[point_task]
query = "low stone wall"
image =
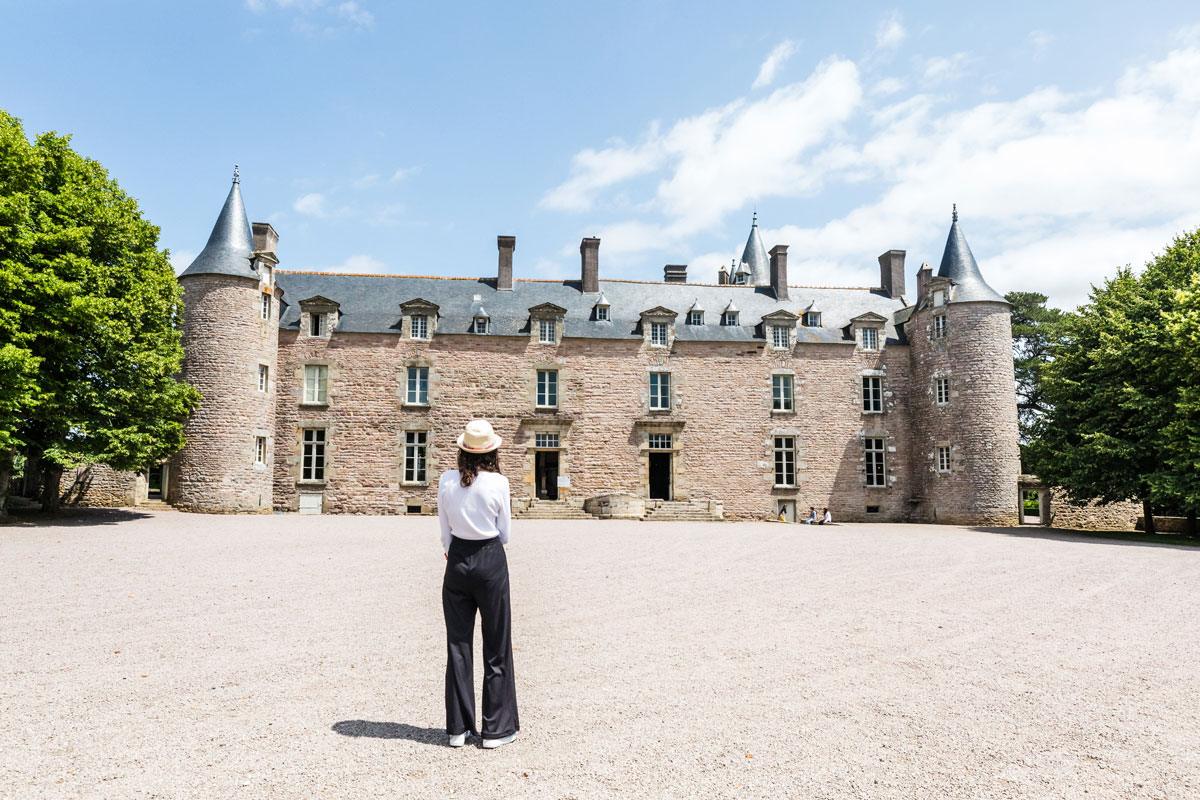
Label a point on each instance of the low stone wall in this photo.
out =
(1164, 524)
(1092, 517)
(98, 486)
(618, 505)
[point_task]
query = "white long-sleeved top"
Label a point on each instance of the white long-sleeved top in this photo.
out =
(479, 511)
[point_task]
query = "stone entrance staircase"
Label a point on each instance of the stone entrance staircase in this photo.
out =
(673, 511)
(552, 509)
(155, 505)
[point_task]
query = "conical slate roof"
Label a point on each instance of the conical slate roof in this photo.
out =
(755, 257)
(958, 264)
(230, 245)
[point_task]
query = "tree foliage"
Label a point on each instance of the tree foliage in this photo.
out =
(1036, 329)
(89, 309)
(1122, 388)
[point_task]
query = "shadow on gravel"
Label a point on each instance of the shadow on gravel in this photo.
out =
(391, 730)
(74, 517)
(1121, 538)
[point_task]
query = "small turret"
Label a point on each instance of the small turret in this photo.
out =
(755, 262)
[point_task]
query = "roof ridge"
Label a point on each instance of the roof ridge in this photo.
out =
(555, 280)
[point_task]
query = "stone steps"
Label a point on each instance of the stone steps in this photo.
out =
(155, 505)
(553, 509)
(679, 512)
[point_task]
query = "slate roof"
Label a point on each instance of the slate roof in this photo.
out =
(230, 245)
(958, 264)
(371, 304)
(755, 257)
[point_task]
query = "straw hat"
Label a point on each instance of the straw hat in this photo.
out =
(479, 437)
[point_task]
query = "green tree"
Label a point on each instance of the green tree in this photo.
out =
(1035, 331)
(96, 345)
(1120, 390)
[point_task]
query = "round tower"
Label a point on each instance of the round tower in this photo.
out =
(963, 405)
(230, 337)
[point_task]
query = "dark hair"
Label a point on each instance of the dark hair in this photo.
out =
(471, 464)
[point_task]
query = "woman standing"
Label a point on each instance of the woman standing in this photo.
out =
(475, 514)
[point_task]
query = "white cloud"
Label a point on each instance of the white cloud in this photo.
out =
(766, 73)
(592, 170)
(317, 18)
(312, 204)
(358, 263)
(1039, 40)
(182, 259)
(404, 172)
(355, 14)
(365, 181)
(888, 86)
(941, 68)
(890, 32)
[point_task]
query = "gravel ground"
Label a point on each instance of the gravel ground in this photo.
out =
(170, 655)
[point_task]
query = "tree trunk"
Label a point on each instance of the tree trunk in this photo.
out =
(1190, 527)
(51, 478)
(1149, 515)
(6, 468)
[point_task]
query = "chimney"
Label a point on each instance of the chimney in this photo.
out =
(923, 275)
(779, 271)
(891, 272)
(506, 245)
(675, 273)
(723, 276)
(265, 237)
(589, 257)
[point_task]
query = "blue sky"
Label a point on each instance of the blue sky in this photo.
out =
(380, 137)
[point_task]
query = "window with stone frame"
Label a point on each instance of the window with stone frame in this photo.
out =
(546, 331)
(546, 441)
(266, 306)
(312, 467)
(943, 458)
(660, 391)
(417, 391)
(942, 391)
(547, 388)
(872, 394)
(658, 334)
(316, 378)
(780, 337)
(695, 318)
(658, 441)
(781, 393)
(263, 376)
(873, 449)
(870, 339)
(811, 319)
(316, 324)
(260, 450)
(418, 326)
(939, 326)
(785, 461)
(416, 451)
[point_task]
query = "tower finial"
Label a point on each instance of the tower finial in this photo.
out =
(235, 173)
(754, 221)
(954, 214)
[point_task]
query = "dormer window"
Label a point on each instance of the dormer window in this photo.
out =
(780, 338)
(418, 327)
(657, 325)
(316, 324)
(546, 331)
(318, 316)
(480, 324)
(870, 339)
(695, 318)
(867, 331)
(602, 309)
(729, 318)
(545, 323)
(812, 319)
(418, 319)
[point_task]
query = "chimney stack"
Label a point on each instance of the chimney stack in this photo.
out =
(589, 257)
(923, 276)
(891, 272)
(265, 237)
(675, 273)
(779, 271)
(506, 245)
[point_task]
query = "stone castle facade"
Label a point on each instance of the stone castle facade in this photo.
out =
(747, 396)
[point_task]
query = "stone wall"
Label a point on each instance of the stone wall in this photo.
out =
(98, 485)
(721, 419)
(225, 341)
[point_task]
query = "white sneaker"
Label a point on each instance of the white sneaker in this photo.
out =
(460, 739)
(489, 744)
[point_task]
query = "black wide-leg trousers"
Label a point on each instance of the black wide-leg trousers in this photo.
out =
(477, 580)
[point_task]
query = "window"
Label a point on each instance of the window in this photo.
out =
(785, 461)
(874, 459)
(779, 337)
(316, 322)
(872, 395)
(315, 380)
(943, 459)
(602, 313)
(418, 326)
(939, 326)
(418, 386)
(729, 318)
(480, 325)
(546, 331)
(781, 392)
(545, 440)
(658, 334)
(660, 391)
(660, 441)
(812, 319)
(260, 449)
(870, 339)
(262, 377)
(266, 306)
(695, 318)
(313, 466)
(415, 450)
(943, 391)
(547, 388)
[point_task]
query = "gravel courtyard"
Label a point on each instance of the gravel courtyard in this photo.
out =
(170, 655)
